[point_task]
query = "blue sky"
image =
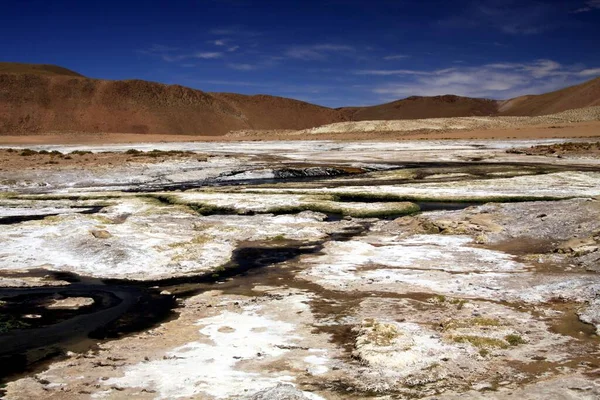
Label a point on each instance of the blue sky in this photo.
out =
(329, 52)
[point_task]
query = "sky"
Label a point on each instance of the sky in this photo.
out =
(329, 52)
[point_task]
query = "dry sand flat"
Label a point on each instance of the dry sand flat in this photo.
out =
(280, 291)
(473, 127)
(570, 130)
(584, 122)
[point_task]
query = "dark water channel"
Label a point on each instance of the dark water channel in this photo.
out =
(15, 219)
(120, 306)
(320, 175)
(31, 333)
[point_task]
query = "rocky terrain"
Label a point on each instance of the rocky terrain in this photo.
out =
(301, 270)
(47, 99)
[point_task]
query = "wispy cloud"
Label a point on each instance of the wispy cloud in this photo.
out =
(159, 48)
(498, 80)
(242, 67)
(227, 83)
(229, 47)
(588, 6)
(396, 57)
(512, 17)
(174, 54)
(223, 31)
(390, 72)
(590, 72)
(234, 31)
(317, 51)
(207, 55)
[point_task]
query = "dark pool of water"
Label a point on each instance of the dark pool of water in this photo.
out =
(15, 219)
(444, 206)
(120, 306)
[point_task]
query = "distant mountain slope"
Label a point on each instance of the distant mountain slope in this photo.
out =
(272, 112)
(31, 103)
(586, 94)
(47, 98)
(41, 102)
(424, 107)
(35, 69)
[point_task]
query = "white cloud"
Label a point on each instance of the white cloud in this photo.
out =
(388, 72)
(207, 55)
(317, 52)
(225, 43)
(228, 83)
(174, 54)
(590, 72)
(537, 69)
(237, 31)
(242, 67)
(395, 57)
(514, 17)
(159, 48)
(499, 80)
(224, 31)
(588, 6)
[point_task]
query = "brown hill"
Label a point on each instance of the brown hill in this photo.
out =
(586, 94)
(424, 107)
(272, 112)
(41, 102)
(35, 69)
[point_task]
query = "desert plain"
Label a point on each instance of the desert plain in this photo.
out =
(400, 266)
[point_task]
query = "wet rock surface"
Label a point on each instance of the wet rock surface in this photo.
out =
(328, 287)
(70, 303)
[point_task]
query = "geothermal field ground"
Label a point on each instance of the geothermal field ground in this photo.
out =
(308, 269)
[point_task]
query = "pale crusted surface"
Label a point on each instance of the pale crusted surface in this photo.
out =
(560, 184)
(276, 203)
(591, 314)
(480, 302)
(118, 243)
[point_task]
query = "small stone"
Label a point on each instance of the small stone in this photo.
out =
(100, 234)
(480, 387)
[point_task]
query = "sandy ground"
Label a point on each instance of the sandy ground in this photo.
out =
(18, 158)
(99, 138)
(573, 130)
